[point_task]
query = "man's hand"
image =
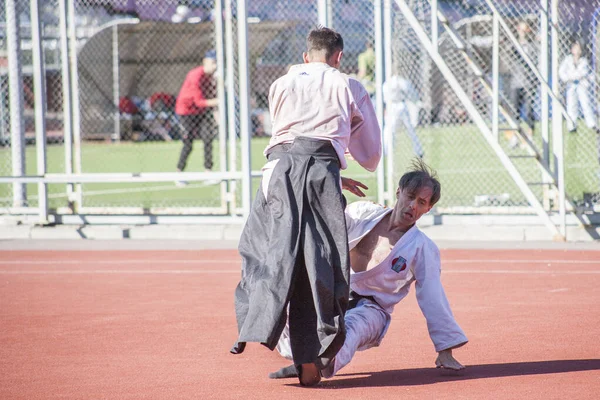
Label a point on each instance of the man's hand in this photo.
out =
(353, 186)
(445, 360)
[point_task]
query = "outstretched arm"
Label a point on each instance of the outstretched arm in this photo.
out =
(445, 333)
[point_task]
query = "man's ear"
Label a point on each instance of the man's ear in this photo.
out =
(305, 57)
(338, 58)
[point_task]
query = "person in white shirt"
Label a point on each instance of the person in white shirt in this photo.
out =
(402, 105)
(574, 70)
(294, 245)
(388, 253)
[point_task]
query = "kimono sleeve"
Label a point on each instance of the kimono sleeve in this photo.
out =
(444, 331)
(365, 134)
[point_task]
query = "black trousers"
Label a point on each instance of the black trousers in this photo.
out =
(523, 97)
(294, 251)
(200, 126)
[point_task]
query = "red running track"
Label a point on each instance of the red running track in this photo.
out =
(159, 325)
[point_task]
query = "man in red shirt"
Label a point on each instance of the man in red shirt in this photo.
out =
(194, 106)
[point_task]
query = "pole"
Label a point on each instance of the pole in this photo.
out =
(434, 24)
(545, 104)
(75, 98)
(220, 48)
(39, 91)
(66, 93)
(387, 69)
(116, 88)
(15, 86)
(230, 87)
(495, 75)
(379, 75)
(245, 130)
(557, 133)
(324, 11)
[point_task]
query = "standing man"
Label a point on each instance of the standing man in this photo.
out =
(389, 253)
(523, 82)
(294, 246)
(196, 102)
(401, 104)
(366, 68)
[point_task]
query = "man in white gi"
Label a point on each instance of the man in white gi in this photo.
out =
(387, 254)
(401, 105)
(294, 246)
(575, 72)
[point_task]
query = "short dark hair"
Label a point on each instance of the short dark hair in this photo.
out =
(418, 176)
(324, 38)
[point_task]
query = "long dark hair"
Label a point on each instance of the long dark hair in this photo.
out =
(418, 176)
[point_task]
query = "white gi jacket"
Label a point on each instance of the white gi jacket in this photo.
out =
(316, 100)
(414, 258)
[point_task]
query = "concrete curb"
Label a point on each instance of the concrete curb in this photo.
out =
(466, 234)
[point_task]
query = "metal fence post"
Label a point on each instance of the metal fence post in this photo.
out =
(495, 75)
(76, 111)
(66, 93)
(325, 13)
(15, 84)
(230, 87)
(379, 75)
(116, 88)
(245, 129)
(220, 48)
(545, 104)
(557, 133)
(387, 70)
(39, 82)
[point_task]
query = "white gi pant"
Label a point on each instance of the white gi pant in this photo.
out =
(406, 112)
(366, 325)
(579, 94)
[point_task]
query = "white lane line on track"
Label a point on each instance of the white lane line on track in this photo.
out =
(116, 262)
(237, 271)
(122, 272)
(238, 261)
(519, 271)
(482, 261)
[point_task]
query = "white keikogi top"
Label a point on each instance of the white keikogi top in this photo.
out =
(318, 101)
(569, 71)
(414, 258)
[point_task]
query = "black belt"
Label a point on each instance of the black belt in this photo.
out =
(355, 298)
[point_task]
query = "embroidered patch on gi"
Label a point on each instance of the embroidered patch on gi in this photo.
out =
(398, 264)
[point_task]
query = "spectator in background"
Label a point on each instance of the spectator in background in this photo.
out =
(402, 105)
(160, 119)
(523, 82)
(366, 68)
(195, 105)
(575, 72)
(516, 78)
(193, 11)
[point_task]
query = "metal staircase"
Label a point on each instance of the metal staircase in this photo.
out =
(500, 104)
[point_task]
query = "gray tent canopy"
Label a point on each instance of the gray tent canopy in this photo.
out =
(149, 57)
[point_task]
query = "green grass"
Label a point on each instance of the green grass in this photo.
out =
(465, 163)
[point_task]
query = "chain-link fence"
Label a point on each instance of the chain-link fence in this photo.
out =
(472, 176)
(132, 58)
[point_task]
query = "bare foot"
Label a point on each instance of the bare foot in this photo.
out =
(309, 375)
